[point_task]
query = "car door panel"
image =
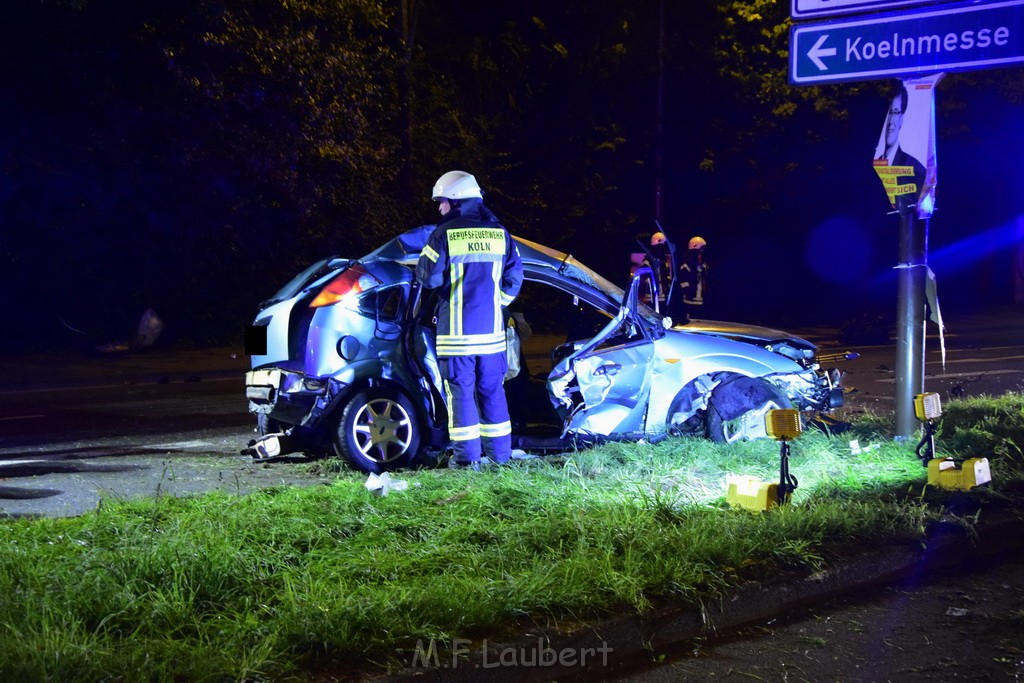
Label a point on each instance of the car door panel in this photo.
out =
(604, 386)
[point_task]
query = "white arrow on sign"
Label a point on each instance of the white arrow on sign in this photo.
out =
(816, 53)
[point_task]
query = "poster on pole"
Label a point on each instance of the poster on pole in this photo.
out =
(904, 157)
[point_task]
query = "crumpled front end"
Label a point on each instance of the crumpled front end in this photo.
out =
(812, 389)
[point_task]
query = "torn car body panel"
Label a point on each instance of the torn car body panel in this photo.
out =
(606, 391)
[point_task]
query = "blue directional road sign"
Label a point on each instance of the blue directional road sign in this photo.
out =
(956, 37)
(805, 9)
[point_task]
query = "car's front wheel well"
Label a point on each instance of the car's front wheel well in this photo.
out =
(688, 412)
(737, 408)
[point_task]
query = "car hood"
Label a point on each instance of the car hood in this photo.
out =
(743, 332)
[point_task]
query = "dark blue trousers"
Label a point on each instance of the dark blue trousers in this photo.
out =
(478, 420)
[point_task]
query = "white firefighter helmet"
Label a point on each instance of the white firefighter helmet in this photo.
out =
(697, 242)
(658, 238)
(457, 185)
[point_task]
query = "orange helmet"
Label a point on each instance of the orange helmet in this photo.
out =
(697, 242)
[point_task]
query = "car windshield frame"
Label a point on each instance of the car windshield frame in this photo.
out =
(571, 268)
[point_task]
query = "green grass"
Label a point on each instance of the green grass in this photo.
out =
(285, 581)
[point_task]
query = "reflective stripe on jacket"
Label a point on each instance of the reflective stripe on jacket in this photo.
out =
(476, 262)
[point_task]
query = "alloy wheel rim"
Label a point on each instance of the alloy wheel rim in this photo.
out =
(382, 430)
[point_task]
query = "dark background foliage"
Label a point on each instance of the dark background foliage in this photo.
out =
(192, 156)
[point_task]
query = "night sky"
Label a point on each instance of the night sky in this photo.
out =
(191, 157)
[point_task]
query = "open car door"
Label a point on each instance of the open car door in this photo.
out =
(603, 386)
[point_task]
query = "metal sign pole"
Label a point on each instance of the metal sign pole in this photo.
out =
(910, 307)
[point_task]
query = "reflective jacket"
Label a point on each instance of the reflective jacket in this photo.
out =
(476, 263)
(693, 276)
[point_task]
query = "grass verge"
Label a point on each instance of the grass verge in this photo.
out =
(280, 582)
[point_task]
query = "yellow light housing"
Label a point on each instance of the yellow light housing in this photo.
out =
(783, 424)
(947, 473)
(927, 407)
(751, 493)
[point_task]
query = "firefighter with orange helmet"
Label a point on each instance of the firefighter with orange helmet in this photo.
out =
(693, 273)
(659, 256)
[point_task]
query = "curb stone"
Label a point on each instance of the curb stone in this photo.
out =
(637, 635)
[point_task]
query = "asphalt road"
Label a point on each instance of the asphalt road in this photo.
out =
(88, 428)
(972, 366)
(980, 353)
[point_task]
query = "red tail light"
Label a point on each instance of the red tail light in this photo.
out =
(349, 283)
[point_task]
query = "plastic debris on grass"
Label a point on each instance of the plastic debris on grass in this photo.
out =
(383, 484)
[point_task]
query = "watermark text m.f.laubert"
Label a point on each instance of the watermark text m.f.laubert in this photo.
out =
(444, 654)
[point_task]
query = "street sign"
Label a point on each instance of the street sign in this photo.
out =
(897, 44)
(804, 9)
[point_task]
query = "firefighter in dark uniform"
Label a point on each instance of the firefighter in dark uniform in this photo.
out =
(475, 262)
(693, 277)
(660, 259)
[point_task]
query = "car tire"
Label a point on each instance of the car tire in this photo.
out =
(378, 431)
(267, 425)
(737, 408)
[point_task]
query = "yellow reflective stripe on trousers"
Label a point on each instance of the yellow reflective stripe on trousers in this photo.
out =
(464, 433)
(458, 433)
(500, 429)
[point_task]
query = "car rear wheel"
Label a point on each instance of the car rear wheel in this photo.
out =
(737, 408)
(378, 431)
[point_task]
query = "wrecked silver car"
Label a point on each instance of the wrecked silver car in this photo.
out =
(346, 363)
